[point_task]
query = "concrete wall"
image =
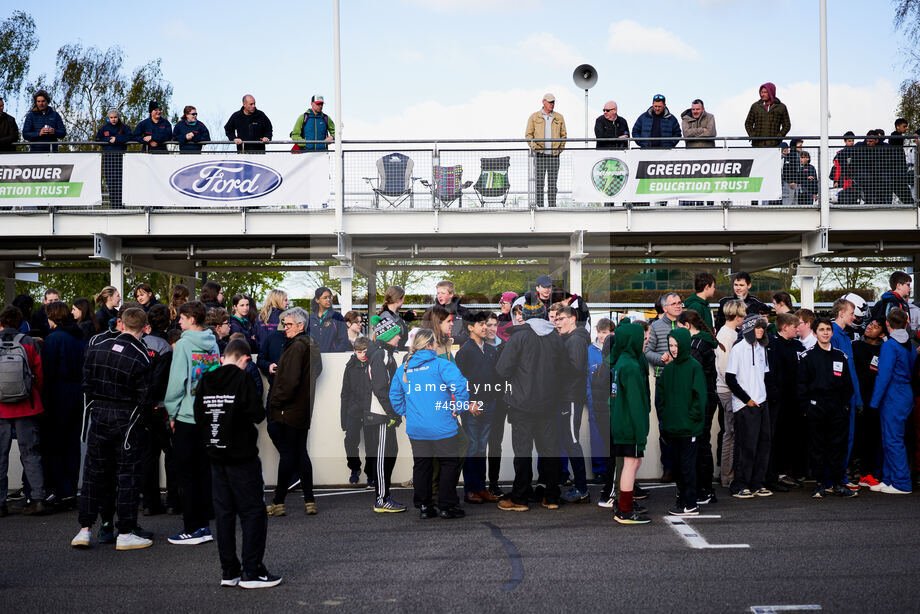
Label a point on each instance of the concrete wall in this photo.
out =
(327, 451)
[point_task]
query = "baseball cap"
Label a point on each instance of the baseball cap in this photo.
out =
(545, 281)
(317, 98)
(549, 97)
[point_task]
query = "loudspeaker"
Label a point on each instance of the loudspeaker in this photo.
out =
(585, 76)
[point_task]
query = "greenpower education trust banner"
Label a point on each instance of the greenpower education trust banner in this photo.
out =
(50, 179)
(638, 175)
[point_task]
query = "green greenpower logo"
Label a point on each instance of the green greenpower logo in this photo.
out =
(609, 176)
(38, 181)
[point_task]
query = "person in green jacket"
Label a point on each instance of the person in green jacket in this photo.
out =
(629, 414)
(704, 285)
(683, 411)
(314, 125)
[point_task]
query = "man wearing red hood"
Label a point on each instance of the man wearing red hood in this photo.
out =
(768, 117)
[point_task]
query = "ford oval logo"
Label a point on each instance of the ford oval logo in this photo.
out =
(226, 180)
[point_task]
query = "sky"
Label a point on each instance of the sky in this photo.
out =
(477, 68)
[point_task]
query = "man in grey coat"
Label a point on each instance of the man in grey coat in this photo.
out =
(698, 123)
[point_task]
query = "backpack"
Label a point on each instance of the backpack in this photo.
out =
(15, 373)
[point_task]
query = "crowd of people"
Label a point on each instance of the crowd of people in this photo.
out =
(802, 400)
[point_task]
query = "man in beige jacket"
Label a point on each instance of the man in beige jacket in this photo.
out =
(546, 124)
(697, 122)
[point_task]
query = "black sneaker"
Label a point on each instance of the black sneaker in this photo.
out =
(632, 517)
(451, 512)
(427, 511)
(140, 532)
(263, 579)
(640, 509)
(497, 491)
(639, 493)
(230, 578)
(680, 510)
(842, 491)
(706, 498)
(107, 533)
(818, 492)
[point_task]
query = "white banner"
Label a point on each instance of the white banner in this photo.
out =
(50, 179)
(638, 175)
(222, 179)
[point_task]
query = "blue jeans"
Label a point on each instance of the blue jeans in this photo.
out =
(477, 431)
(27, 436)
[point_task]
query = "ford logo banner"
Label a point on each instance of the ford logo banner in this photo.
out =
(226, 180)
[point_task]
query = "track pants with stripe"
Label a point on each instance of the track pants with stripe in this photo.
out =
(381, 450)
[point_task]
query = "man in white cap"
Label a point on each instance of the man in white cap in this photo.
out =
(314, 125)
(546, 124)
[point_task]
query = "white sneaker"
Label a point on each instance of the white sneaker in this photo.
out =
(878, 487)
(130, 541)
(888, 489)
(81, 540)
(609, 503)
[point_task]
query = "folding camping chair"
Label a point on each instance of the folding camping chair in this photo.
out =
(446, 185)
(394, 180)
(493, 179)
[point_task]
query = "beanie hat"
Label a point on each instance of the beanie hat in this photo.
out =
(534, 310)
(508, 297)
(384, 328)
(153, 104)
(748, 325)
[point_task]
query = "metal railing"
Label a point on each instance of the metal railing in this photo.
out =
(499, 174)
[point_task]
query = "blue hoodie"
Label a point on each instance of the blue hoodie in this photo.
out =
(892, 385)
(841, 341)
(431, 381)
(160, 133)
(198, 130)
(121, 132)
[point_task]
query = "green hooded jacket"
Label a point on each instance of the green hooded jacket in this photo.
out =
(629, 392)
(682, 390)
(700, 306)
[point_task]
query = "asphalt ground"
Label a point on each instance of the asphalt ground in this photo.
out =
(844, 555)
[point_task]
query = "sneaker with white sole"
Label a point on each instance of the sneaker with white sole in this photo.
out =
(607, 503)
(200, 536)
(132, 541)
(388, 506)
(888, 489)
(263, 579)
(878, 487)
(680, 510)
(81, 540)
(230, 579)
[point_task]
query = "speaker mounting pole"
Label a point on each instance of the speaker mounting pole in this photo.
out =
(585, 76)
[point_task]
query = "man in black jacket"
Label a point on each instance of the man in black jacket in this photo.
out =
(249, 124)
(227, 408)
(574, 396)
(787, 421)
(611, 126)
(529, 363)
(9, 131)
(116, 380)
(741, 286)
(356, 401)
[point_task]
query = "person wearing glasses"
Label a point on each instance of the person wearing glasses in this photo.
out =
(190, 132)
(611, 126)
(657, 123)
(546, 124)
(658, 355)
(314, 125)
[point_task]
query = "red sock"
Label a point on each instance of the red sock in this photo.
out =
(626, 501)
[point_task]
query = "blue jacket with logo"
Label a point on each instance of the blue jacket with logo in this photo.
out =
(122, 133)
(198, 129)
(160, 133)
(892, 385)
(35, 121)
(330, 332)
(428, 391)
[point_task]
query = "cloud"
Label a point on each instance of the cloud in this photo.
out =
(179, 30)
(627, 36)
(857, 108)
(548, 49)
(468, 6)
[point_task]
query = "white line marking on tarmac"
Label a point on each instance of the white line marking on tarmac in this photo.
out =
(692, 537)
(654, 486)
(770, 609)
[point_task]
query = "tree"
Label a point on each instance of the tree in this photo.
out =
(907, 19)
(17, 42)
(88, 81)
(909, 107)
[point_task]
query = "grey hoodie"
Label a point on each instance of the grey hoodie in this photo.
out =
(195, 354)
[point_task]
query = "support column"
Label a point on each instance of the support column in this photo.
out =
(9, 282)
(344, 272)
(807, 274)
(191, 282)
(372, 288)
(576, 255)
(109, 248)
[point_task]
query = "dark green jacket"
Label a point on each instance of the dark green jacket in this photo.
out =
(701, 307)
(629, 393)
(682, 391)
(761, 122)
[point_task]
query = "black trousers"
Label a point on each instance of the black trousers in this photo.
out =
(546, 170)
(790, 446)
(159, 441)
(424, 452)
(527, 429)
(828, 432)
(772, 462)
(705, 468)
(238, 491)
(114, 453)
(867, 442)
(752, 447)
(194, 476)
(353, 427)
(685, 458)
(293, 460)
(380, 440)
(496, 435)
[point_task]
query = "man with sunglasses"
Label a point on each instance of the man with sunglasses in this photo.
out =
(611, 126)
(546, 124)
(314, 125)
(655, 124)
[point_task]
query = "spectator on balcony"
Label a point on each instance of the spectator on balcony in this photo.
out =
(9, 131)
(768, 117)
(547, 124)
(611, 126)
(899, 137)
(697, 122)
(314, 125)
(842, 171)
(154, 132)
(806, 180)
(249, 125)
(115, 135)
(657, 123)
(870, 174)
(190, 132)
(43, 124)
